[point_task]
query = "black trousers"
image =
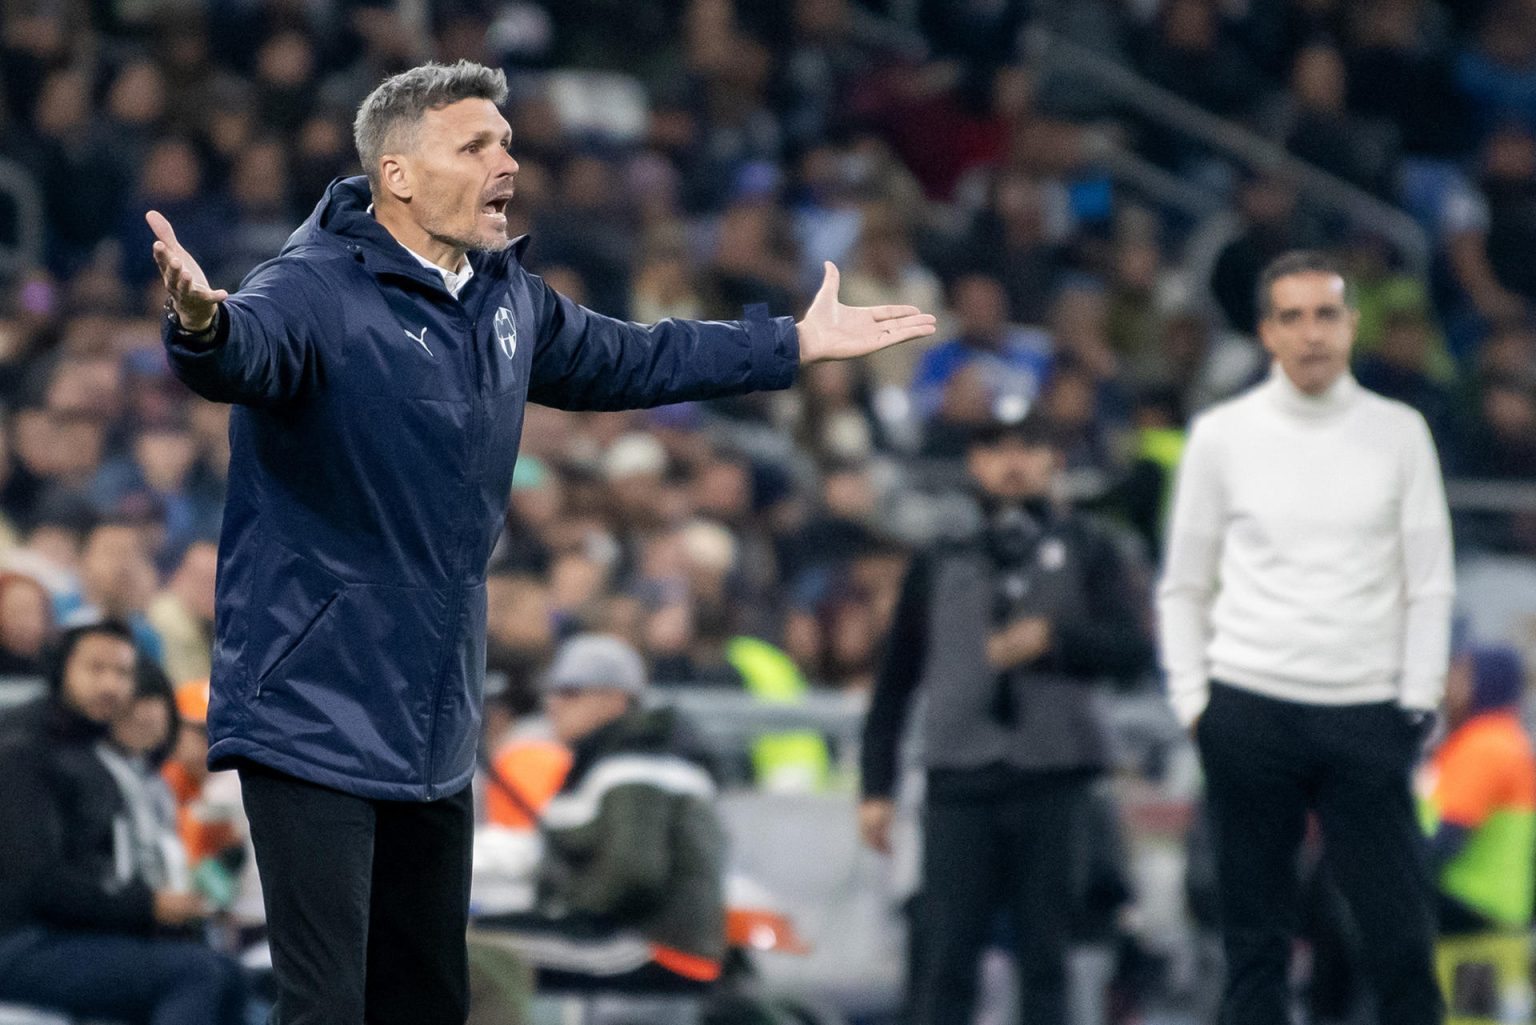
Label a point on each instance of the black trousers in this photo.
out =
(1267, 764)
(367, 902)
(991, 850)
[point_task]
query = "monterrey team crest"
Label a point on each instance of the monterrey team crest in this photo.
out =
(506, 331)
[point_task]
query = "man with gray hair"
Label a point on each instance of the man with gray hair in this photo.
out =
(379, 367)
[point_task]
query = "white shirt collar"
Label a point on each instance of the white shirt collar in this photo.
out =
(453, 281)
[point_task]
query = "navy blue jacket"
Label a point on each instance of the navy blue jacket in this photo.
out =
(376, 425)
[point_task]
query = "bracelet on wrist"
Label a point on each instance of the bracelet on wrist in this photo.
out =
(202, 334)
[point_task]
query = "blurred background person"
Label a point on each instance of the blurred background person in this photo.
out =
(1003, 631)
(26, 625)
(1480, 805)
(631, 888)
(88, 923)
(1304, 615)
(676, 155)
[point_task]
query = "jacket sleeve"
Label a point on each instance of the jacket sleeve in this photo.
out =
(37, 879)
(1113, 639)
(627, 874)
(584, 360)
(264, 346)
(900, 671)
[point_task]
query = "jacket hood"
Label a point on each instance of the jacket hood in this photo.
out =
(643, 731)
(344, 218)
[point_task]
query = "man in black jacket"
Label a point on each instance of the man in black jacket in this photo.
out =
(1004, 629)
(78, 923)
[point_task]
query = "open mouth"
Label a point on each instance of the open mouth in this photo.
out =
(497, 207)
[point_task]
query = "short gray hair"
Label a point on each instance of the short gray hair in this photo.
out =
(396, 107)
(1298, 261)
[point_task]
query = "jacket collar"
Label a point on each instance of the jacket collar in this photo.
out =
(342, 218)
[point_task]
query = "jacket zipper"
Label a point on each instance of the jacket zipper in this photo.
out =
(456, 607)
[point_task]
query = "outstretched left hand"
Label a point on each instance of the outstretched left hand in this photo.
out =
(831, 330)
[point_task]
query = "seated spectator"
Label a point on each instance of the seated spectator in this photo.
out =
(209, 816)
(886, 271)
(1271, 226)
(833, 417)
(520, 626)
(1204, 364)
(1131, 317)
(1499, 443)
(26, 625)
(1502, 442)
(1384, 290)
(1497, 73)
(82, 929)
(117, 581)
(182, 614)
(140, 742)
(1320, 130)
(1401, 367)
(1480, 809)
(1188, 52)
(159, 473)
(720, 654)
(1020, 237)
(1499, 226)
(1400, 70)
(1012, 362)
(631, 889)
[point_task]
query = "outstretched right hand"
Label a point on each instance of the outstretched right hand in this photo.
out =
(195, 303)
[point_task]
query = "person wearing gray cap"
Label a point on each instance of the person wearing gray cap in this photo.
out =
(595, 680)
(631, 891)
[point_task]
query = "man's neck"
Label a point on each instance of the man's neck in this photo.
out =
(412, 236)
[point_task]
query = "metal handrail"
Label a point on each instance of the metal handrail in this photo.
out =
(1165, 187)
(1495, 496)
(1055, 53)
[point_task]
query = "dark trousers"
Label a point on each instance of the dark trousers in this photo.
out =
(1269, 762)
(135, 979)
(990, 851)
(367, 902)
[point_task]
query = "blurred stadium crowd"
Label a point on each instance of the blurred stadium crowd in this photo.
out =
(686, 158)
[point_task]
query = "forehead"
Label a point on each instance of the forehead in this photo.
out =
(1309, 288)
(465, 118)
(105, 646)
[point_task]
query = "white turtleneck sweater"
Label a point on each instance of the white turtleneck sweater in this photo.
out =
(1309, 553)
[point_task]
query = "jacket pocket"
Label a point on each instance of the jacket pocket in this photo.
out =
(286, 599)
(355, 694)
(298, 641)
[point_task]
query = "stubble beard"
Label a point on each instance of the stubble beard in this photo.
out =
(469, 241)
(486, 243)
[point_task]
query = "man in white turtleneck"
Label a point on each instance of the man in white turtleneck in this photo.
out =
(1304, 617)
